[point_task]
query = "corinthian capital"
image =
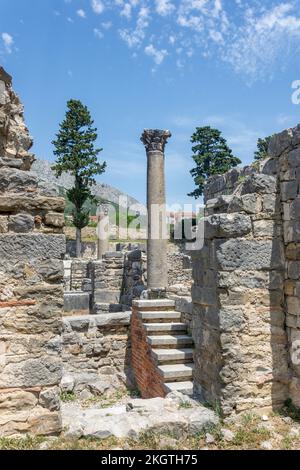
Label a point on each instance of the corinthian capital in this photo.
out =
(155, 139)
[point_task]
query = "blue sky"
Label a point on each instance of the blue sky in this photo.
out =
(172, 64)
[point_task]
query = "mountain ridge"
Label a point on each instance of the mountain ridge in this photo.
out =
(42, 168)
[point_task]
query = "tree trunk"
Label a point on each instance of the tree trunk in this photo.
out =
(78, 243)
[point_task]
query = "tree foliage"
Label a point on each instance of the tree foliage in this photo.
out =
(212, 156)
(262, 148)
(77, 155)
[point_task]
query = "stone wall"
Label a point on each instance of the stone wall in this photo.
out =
(224, 185)
(107, 282)
(79, 273)
(180, 281)
(284, 159)
(135, 276)
(179, 274)
(97, 354)
(31, 275)
(246, 293)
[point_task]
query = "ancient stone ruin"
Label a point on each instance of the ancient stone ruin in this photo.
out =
(31, 296)
(219, 323)
(245, 293)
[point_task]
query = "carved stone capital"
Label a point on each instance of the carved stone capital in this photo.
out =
(155, 139)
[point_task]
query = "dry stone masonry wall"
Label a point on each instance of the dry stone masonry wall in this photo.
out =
(97, 354)
(31, 292)
(245, 297)
(285, 160)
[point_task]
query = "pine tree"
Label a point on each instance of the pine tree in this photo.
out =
(77, 155)
(262, 148)
(212, 156)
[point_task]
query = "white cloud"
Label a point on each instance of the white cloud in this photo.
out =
(135, 37)
(164, 7)
(255, 39)
(157, 55)
(97, 6)
(81, 13)
(106, 25)
(264, 40)
(98, 33)
(8, 41)
(126, 11)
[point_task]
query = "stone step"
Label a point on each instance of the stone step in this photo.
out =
(155, 305)
(107, 296)
(169, 341)
(184, 387)
(99, 308)
(165, 327)
(176, 372)
(172, 355)
(160, 316)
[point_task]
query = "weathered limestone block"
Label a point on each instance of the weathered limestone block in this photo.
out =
(259, 183)
(28, 247)
(55, 219)
(37, 421)
(280, 142)
(271, 204)
(291, 231)
(227, 225)
(30, 372)
(49, 399)
(293, 305)
(21, 223)
(249, 254)
(266, 229)
(269, 166)
(289, 190)
(15, 202)
(294, 158)
(34, 319)
(294, 270)
(249, 203)
(291, 210)
(218, 205)
(271, 280)
(51, 270)
(17, 181)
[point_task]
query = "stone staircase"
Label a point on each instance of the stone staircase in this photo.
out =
(171, 348)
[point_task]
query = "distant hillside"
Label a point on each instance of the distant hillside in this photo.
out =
(42, 168)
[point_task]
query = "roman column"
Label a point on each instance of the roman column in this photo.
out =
(157, 269)
(102, 231)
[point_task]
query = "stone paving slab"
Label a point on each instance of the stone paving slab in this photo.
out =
(159, 415)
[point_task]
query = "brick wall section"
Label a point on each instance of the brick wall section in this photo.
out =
(31, 275)
(149, 381)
